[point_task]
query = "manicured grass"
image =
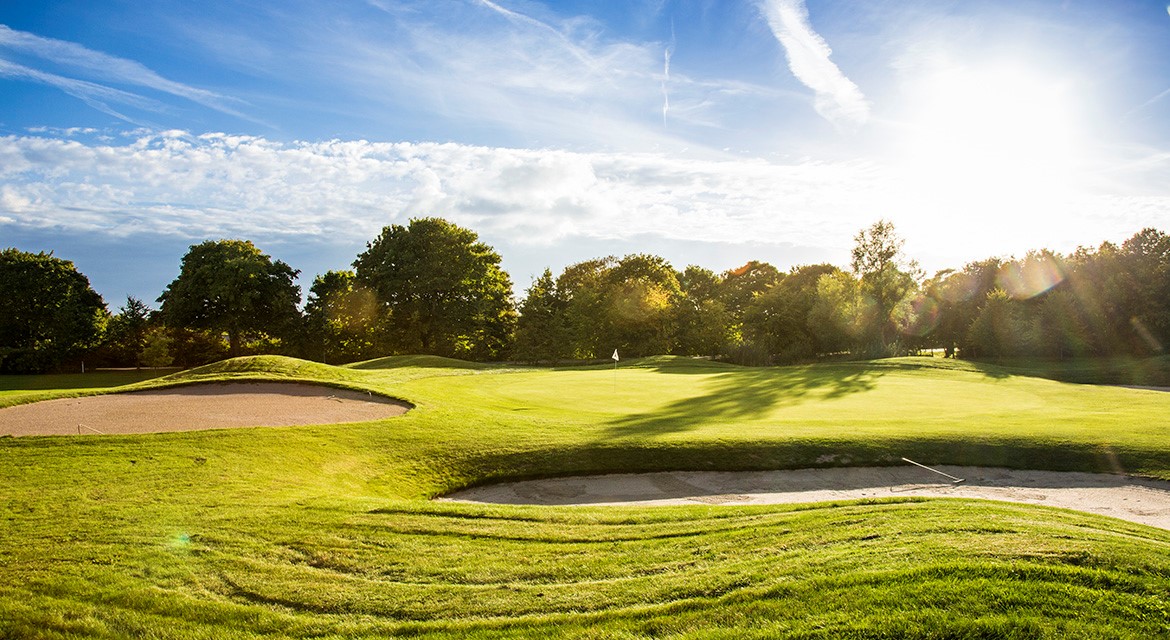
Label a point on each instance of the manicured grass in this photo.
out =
(16, 389)
(325, 531)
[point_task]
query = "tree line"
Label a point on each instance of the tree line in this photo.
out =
(433, 287)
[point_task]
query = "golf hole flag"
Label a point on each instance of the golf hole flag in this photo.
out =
(615, 356)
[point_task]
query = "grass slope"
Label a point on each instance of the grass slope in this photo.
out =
(323, 531)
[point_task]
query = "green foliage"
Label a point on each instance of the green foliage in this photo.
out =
(542, 332)
(739, 287)
(229, 286)
(637, 294)
(156, 350)
(125, 335)
(443, 290)
(782, 318)
(50, 312)
(888, 279)
(701, 321)
(343, 320)
(582, 287)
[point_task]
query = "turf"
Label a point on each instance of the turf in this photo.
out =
(326, 531)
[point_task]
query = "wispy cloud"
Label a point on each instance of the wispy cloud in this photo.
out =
(95, 95)
(837, 98)
(101, 66)
(666, 53)
(491, 71)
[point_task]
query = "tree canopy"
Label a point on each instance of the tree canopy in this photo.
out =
(51, 313)
(230, 286)
(341, 319)
(887, 279)
(443, 289)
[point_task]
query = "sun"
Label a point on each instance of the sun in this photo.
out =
(1002, 132)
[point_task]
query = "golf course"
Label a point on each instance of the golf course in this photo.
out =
(333, 530)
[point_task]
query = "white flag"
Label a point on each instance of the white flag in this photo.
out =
(614, 356)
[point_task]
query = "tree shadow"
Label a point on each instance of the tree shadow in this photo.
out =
(748, 394)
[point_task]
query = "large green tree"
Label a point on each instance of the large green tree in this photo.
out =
(780, 319)
(230, 286)
(702, 324)
(638, 292)
(50, 312)
(443, 289)
(887, 280)
(341, 319)
(542, 332)
(582, 286)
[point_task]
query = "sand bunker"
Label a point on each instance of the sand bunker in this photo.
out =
(1133, 499)
(197, 407)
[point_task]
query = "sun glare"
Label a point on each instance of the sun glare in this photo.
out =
(999, 132)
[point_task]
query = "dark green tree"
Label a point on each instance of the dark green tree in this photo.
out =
(701, 321)
(125, 335)
(542, 333)
(1003, 328)
(1145, 266)
(443, 289)
(781, 318)
(341, 319)
(582, 286)
(840, 313)
(740, 286)
(229, 286)
(50, 312)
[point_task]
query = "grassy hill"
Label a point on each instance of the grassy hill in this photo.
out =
(325, 531)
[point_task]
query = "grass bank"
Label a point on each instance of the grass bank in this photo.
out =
(325, 531)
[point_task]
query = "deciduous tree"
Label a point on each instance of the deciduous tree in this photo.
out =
(887, 279)
(443, 289)
(341, 319)
(230, 286)
(50, 312)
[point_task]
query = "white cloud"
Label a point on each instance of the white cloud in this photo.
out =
(837, 98)
(219, 185)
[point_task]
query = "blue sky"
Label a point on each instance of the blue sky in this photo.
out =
(710, 132)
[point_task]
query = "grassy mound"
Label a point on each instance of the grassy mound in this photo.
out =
(324, 531)
(427, 362)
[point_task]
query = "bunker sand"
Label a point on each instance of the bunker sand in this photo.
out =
(197, 407)
(1137, 500)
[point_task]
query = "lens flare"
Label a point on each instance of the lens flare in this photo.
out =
(1030, 278)
(179, 541)
(924, 317)
(1150, 339)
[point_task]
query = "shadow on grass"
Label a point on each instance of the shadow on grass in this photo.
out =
(93, 380)
(1118, 370)
(747, 394)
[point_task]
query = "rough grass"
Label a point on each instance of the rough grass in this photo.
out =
(323, 531)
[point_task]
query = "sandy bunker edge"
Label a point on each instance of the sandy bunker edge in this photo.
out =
(1141, 500)
(199, 406)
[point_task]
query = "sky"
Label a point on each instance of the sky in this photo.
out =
(710, 132)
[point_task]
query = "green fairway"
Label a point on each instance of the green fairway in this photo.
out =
(326, 531)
